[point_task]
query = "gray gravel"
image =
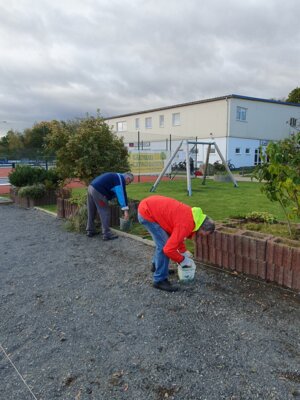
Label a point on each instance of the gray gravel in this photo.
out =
(80, 320)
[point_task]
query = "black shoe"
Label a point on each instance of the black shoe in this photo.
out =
(153, 267)
(112, 237)
(92, 234)
(165, 285)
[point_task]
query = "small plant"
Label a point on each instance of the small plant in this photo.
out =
(33, 191)
(264, 217)
(77, 223)
(79, 198)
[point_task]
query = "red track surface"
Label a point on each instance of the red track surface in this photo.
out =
(75, 183)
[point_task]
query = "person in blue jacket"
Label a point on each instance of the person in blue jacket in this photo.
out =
(102, 189)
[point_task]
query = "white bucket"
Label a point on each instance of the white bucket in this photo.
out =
(186, 273)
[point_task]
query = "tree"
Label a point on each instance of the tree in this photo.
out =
(11, 145)
(280, 174)
(86, 148)
(34, 140)
(294, 96)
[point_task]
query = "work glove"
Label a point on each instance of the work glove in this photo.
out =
(187, 262)
(188, 254)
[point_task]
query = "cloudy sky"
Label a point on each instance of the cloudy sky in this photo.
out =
(61, 59)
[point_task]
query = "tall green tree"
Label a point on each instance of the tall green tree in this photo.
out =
(86, 148)
(280, 174)
(294, 96)
(34, 140)
(12, 145)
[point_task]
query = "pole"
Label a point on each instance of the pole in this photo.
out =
(206, 163)
(165, 168)
(139, 157)
(188, 170)
(226, 166)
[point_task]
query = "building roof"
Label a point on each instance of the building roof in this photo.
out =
(230, 96)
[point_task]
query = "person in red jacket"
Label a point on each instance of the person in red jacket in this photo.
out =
(170, 222)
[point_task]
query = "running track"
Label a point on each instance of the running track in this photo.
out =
(4, 172)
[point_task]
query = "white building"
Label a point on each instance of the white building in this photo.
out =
(238, 124)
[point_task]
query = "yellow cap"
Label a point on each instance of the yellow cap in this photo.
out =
(198, 216)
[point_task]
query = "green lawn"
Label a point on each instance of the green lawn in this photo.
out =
(218, 200)
(51, 208)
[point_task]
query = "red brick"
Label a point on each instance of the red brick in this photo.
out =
(231, 261)
(270, 272)
(252, 248)
(296, 258)
(287, 257)
(205, 254)
(231, 244)
(245, 246)
(224, 242)
(218, 240)
(278, 253)
(261, 250)
(239, 263)
(246, 265)
(253, 267)
(261, 269)
(219, 258)
(212, 255)
(278, 274)
(238, 244)
(287, 277)
(225, 260)
(270, 251)
(296, 279)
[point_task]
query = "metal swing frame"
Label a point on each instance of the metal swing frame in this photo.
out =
(188, 170)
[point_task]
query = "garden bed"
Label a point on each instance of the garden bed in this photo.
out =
(256, 254)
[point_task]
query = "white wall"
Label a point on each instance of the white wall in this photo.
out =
(195, 120)
(264, 120)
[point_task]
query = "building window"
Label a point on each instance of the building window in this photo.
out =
(148, 122)
(121, 126)
(161, 121)
(237, 150)
(241, 114)
(212, 150)
(137, 123)
(247, 150)
(176, 119)
(293, 122)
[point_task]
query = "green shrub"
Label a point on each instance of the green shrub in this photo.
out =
(25, 175)
(33, 191)
(77, 223)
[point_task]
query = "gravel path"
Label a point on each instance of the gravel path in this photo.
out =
(80, 320)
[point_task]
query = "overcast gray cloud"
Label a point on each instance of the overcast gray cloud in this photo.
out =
(63, 58)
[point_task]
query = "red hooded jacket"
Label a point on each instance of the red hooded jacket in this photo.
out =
(174, 217)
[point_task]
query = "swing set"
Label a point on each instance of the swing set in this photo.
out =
(187, 144)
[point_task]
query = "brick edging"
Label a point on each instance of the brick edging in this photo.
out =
(252, 253)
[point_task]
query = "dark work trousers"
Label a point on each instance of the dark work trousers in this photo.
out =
(97, 202)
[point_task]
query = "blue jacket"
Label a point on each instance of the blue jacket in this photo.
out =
(112, 185)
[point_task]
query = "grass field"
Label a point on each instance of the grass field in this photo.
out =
(218, 200)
